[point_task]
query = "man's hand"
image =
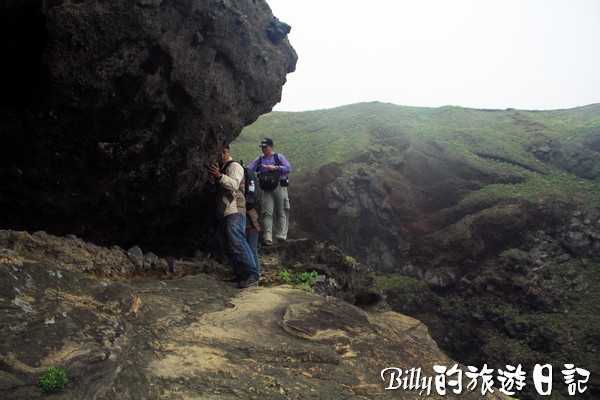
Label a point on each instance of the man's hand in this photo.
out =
(271, 167)
(214, 169)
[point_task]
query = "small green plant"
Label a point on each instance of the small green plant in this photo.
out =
(286, 276)
(302, 280)
(351, 260)
(306, 281)
(308, 277)
(305, 287)
(53, 379)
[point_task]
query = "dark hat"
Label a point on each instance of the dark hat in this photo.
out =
(266, 142)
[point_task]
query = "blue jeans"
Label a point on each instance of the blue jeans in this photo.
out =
(232, 238)
(252, 238)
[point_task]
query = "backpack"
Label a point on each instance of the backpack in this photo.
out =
(250, 185)
(268, 180)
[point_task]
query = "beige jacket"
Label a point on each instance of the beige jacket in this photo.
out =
(230, 191)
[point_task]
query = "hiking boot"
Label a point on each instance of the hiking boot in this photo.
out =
(233, 278)
(267, 242)
(246, 283)
(281, 240)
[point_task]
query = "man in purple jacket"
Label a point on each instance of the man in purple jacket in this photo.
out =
(275, 203)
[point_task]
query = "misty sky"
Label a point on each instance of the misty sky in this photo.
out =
(524, 54)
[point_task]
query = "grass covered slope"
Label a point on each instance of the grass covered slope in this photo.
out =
(501, 142)
(484, 224)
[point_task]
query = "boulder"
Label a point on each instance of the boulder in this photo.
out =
(111, 111)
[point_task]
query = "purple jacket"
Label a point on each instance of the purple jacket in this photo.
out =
(285, 167)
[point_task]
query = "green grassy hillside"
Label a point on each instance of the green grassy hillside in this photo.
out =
(490, 140)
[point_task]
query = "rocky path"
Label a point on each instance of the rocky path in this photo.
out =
(191, 337)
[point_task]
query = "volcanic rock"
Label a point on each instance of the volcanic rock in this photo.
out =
(190, 337)
(111, 111)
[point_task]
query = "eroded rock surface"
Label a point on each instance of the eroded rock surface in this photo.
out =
(191, 337)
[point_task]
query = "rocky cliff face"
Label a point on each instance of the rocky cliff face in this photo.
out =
(381, 213)
(494, 280)
(110, 111)
(409, 214)
(359, 215)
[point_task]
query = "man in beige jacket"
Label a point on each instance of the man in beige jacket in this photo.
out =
(231, 212)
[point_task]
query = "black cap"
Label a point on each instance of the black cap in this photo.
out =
(266, 142)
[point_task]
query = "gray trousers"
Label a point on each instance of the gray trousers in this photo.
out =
(275, 207)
